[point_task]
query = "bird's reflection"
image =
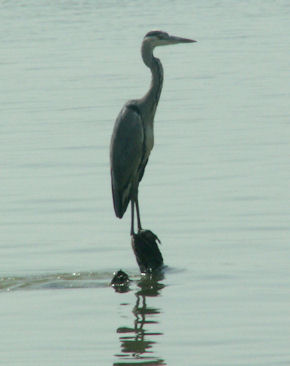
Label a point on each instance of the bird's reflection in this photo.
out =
(137, 342)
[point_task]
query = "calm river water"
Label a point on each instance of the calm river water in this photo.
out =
(216, 189)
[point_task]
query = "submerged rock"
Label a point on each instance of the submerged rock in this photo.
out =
(146, 250)
(120, 281)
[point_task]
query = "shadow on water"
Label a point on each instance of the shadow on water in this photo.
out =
(138, 340)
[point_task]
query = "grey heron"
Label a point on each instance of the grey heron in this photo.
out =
(132, 139)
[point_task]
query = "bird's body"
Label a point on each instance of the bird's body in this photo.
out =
(133, 138)
(127, 148)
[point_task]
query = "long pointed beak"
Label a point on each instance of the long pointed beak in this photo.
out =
(174, 40)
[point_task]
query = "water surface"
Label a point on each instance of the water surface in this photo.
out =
(216, 189)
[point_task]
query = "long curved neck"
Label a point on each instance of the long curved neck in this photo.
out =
(151, 98)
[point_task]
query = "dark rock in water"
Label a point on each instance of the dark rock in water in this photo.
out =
(120, 281)
(147, 253)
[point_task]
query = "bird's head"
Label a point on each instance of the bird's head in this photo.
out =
(159, 38)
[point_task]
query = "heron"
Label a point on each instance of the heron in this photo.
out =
(132, 138)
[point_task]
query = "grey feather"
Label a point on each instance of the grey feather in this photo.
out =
(126, 156)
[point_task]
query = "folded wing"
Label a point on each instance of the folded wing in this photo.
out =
(126, 154)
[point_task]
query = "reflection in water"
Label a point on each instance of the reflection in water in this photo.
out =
(137, 342)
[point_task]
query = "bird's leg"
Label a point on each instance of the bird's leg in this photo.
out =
(132, 218)
(138, 215)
